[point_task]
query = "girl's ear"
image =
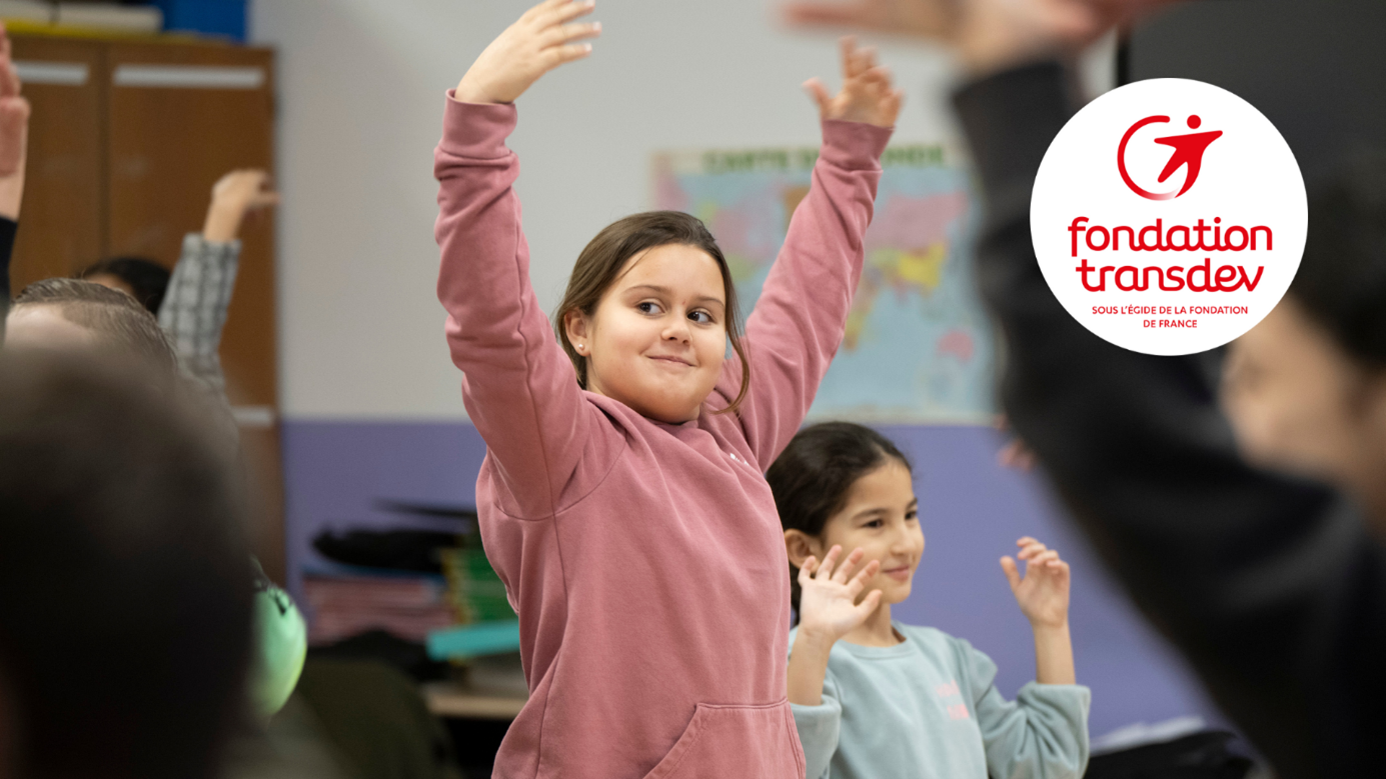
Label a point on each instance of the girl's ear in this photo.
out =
(800, 546)
(576, 326)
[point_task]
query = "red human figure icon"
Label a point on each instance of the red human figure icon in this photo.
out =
(1188, 149)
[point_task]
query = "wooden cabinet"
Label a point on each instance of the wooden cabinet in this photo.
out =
(127, 138)
(64, 213)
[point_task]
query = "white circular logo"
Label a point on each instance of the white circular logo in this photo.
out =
(1169, 216)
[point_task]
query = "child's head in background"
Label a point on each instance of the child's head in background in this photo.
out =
(648, 314)
(125, 630)
(841, 484)
(1306, 388)
(74, 314)
(142, 279)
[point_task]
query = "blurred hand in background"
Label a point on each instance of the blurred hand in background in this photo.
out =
(14, 133)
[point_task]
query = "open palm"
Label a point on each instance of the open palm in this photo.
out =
(867, 92)
(827, 599)
(1043, 591)
(541, 40)
(14, 113)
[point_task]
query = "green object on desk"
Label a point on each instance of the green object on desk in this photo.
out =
(281, 645)
(482, 638)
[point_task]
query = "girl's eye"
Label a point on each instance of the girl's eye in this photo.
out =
(875, 523)
(701, 317)
(912, 516)
(648, 307)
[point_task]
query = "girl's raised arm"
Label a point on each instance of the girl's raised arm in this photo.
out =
(1044, 731)
(198, 298)
(799, 320)
(14, 141)
(519, 387)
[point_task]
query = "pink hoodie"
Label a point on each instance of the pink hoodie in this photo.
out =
(646, 560)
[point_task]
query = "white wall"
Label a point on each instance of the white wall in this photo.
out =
(361, 86)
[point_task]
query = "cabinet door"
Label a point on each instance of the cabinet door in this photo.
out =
(178, 116)
(62, 219)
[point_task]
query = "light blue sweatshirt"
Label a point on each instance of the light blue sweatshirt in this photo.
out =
(928, 708)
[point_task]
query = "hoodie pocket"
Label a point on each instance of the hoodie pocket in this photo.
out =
(754, 742)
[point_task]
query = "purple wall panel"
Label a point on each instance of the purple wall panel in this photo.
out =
(972, 511)
(334, 472)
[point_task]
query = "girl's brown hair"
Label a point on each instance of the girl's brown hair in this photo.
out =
(601, 262)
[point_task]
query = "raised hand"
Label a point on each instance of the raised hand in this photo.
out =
(1043, 592)
(867, 94)
(915, 18)
(827, 599)
(540, 41)
(233, 196)
(1014, 454)
(14, 133)
(988, 33)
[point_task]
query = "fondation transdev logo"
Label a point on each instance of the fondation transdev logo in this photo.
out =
(1169, 216)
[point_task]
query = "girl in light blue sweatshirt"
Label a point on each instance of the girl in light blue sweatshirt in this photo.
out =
(875, 698)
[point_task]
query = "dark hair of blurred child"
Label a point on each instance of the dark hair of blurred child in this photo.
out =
(125, 626)
(142, 279)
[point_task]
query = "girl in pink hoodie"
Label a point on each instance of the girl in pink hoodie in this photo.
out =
(622, 499)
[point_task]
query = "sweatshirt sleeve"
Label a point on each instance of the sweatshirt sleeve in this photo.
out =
(519, 387)
(818, 728)
(799, 320)
(1043, 733)
(1271, 586)
(194, 309)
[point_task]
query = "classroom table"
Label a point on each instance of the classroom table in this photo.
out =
(452, 699)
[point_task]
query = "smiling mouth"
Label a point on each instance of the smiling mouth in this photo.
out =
(673, 360)
(902, 573)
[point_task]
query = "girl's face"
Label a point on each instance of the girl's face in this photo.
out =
(658, 337)
(882, 517)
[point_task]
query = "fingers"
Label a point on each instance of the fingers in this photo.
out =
(1037, 553)
(14, 130)
(858, 582)
(848, 565)
(855, 61)
(819, 93)
(1029, 547)
(825, 571)
(1017, 455)
(1008, 566)
(847, 52)
(563, 12)
(559, 55)
(570, 32)
(870, 603)
(891, 105)
(546, 7)
(811, 14)
(1037, 556)
(806, 570)
(9, 77)
(875, 78)
(265, 199)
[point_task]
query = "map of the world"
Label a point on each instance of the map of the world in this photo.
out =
(918, 347)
